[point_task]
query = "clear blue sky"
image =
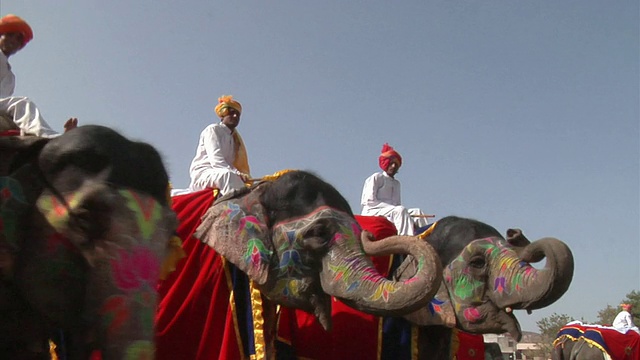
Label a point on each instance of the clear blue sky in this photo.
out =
(517, 113)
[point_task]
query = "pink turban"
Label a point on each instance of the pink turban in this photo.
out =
(387, 156)
(224, 103)
(14, 24)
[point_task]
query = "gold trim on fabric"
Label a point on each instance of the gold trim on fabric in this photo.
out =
(595, 344)
(427, 232)
(232, 303)
(414, 342)
(258, 324)
(455, 343)
(174, 254)
(380, 336)
(52, 350)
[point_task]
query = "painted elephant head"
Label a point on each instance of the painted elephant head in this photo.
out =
(298, 240)
(98, 226)
(486, 276)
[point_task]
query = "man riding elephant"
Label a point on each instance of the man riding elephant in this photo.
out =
(15, 33)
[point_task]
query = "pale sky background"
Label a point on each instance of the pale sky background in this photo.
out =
(517, 113)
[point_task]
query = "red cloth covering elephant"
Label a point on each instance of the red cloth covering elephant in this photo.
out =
(194, 299)
(355, 335)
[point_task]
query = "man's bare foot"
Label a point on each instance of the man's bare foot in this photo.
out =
(72, 123)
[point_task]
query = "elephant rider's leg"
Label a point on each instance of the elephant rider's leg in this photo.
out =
(26, 116)
(400, 217)
(224, 179)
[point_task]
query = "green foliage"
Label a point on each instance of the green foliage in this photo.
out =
(549, 327)
(606, 315)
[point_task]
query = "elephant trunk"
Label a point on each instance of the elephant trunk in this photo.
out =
(349, 274)
(544, 286)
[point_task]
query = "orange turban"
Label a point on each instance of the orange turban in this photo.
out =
(13, 24)
(387, 156)
(626, 307)
(224, 103)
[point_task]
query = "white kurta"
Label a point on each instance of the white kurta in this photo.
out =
(381, 196)
(23, 111)
(624, 321)
(212, 164)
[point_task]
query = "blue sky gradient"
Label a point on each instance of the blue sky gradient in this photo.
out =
(517, 113)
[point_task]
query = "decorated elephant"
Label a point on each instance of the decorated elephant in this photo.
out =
(298, 242)
(578, 341)
(86, 226)
(485, 278)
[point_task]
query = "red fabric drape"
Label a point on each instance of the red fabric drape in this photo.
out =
(621, 346)
(194, 318)
(470, 346)
(355, 335)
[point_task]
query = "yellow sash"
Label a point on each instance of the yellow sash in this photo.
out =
(241, 162)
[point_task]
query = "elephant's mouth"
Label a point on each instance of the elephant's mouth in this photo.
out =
(486, 317)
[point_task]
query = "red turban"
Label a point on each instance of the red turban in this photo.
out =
(14, 24)
(387, 156)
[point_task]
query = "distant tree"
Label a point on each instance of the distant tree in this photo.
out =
(549, 327)
(606, 315)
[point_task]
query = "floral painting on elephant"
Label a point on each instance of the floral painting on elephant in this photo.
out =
(355, 334)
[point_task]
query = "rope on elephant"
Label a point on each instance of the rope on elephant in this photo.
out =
(273, 176)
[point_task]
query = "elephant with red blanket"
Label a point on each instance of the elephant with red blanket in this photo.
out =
(291, 241)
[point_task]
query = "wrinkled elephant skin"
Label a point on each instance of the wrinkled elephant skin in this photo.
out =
(298, 240)
(486, 277)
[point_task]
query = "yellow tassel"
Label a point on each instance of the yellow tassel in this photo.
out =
(52, 350)
(276, 175)
(427, 232)
(174, 254)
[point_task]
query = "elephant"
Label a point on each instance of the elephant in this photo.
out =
(296, 239)
(485, 277)
(578, 341)
(86, 228)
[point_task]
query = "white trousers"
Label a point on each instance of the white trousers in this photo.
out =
(27, 116)
(398, 215)
(224, 179)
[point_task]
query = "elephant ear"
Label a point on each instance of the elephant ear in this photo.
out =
(236, 228)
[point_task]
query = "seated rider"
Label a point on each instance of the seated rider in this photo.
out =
(624, 319)
(221, 158)
(15, 33)
(381, 193)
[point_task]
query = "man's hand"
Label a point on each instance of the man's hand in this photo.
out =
(72, 123)
(243, 176)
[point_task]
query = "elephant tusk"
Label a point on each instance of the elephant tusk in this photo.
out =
(508, 310)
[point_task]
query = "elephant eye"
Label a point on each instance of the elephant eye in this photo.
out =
(477, 262)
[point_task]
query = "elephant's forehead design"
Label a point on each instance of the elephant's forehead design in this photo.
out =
(348, 229)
